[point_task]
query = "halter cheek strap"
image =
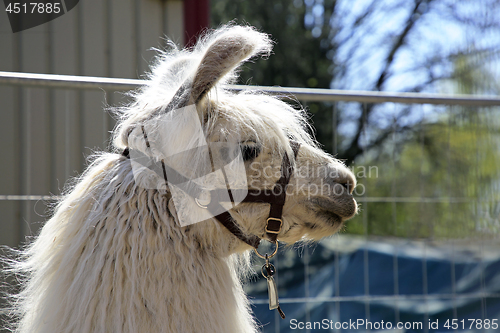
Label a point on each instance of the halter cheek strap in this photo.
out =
(276, 197)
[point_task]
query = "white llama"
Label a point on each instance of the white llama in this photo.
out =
(118, 255)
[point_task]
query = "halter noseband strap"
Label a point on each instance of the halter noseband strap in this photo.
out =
(275, 197)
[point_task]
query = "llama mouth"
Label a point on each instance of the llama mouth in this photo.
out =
(329, 217)
(336, 208)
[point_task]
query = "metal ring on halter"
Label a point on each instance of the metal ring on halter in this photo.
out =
(266, 256)
(207, 199)
(272, 269)
(199, 204)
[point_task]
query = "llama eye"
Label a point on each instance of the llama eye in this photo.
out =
(249, 152)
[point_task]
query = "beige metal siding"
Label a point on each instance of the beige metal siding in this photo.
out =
(48, 133)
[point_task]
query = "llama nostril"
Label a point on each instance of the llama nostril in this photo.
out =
(348, 186)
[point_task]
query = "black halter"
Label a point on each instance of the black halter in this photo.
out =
(275, 197)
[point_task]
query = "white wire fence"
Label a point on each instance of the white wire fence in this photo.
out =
(407, 209)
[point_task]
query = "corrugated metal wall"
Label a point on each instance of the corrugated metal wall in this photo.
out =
(47, 133)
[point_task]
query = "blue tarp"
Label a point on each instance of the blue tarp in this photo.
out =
(384, 281)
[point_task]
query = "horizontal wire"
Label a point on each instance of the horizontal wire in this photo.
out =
(15, 197)
(425, 200)
(34, 197)
(303, 94)
(362, 298)
(374, 298)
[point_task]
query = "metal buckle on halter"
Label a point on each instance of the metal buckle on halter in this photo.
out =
(273, 228)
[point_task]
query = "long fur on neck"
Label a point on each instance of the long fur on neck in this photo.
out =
(113, 259)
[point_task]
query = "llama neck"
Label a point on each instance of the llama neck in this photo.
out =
(180, 292)
(198, 293)
(156, 282)
(151, 292)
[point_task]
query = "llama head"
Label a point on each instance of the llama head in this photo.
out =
(186, 117)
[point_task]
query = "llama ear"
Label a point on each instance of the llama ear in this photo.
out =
(223, 53)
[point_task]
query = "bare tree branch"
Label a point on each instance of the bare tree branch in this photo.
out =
(355, 149)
